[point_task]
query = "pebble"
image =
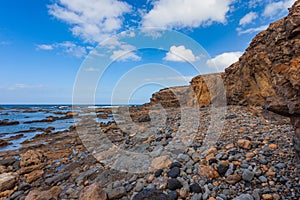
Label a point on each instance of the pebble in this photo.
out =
(247, 175)
(244, 197)
(174, 172)
(158, 172)
(196, 197)
(173, 195)
(174, 184)
(195, 188)
(263, 179)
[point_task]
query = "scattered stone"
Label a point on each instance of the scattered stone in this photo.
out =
(152, 194)
(245, 144)
(267, 197)
(174, 172)
(263, 179)
(195, 188)
(196, 197)
(158, 172)
(183, 158)
(174, 184)
(93, 192)
(173, 195)
(175, 164)
(222, 168)
(207, 172)
(244, 197)
(248, 175)
(233, 179)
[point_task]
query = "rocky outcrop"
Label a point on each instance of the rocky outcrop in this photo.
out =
(267, 74)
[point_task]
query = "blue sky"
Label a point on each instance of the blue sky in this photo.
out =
(46, 45)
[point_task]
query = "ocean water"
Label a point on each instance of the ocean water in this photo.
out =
(26, 113)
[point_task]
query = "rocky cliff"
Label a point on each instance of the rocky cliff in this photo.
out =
(267, 74)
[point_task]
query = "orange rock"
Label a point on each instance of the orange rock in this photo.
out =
(53, 193)
(250, 155)
(207, 172)
(212, 150)
(160, 162)
(92, 192)
(209, 156)
(211, 198)
(273, 146)
(267, 197)
(245, 144)
(229, 146)
(34, 175)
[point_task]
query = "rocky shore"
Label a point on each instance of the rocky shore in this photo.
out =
(252, 159)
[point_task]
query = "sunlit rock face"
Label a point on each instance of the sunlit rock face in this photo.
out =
(267, 74)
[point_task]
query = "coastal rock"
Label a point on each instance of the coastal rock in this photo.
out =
(152, 194)
(31, 160)
(7, 181)
(34, 175)
(93, 192)
(51, 194)
(160, 162)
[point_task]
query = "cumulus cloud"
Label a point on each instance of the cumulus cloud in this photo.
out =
(224, 60)
(252, 30)
(180, 54)
(277, 8)
(91, 20)
(186, 13)
(67, 47)
(248, 18)
(125, 52)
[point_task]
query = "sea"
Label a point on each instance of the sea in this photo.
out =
(28, 113)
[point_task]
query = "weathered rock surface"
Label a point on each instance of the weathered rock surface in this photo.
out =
(93, 192)
(51, 194)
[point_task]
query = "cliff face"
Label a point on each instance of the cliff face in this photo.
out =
(267, 74)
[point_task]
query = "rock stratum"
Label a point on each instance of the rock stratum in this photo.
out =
(267, 74)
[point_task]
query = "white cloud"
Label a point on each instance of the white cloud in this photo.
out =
(91, 20)
(180, 54)
(224, 60)
(67, 47)
(124, 52)
(248, 18)
(252, 30)
(277, 8)
(186, 13)
(45, 47)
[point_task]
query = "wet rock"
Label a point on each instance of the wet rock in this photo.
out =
(7, 181)
(4, 143)
(150, 194)
(93, 192)
(245, 144)
(174, 184)
(248, 175)
(8, 123)
(51, 194)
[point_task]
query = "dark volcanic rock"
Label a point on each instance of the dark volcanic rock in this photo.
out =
(174, 172)
(174, 184)
(150, 194)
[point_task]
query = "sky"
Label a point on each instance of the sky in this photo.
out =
(120, 52)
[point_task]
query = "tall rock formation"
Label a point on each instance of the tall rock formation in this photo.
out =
(267, 74)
